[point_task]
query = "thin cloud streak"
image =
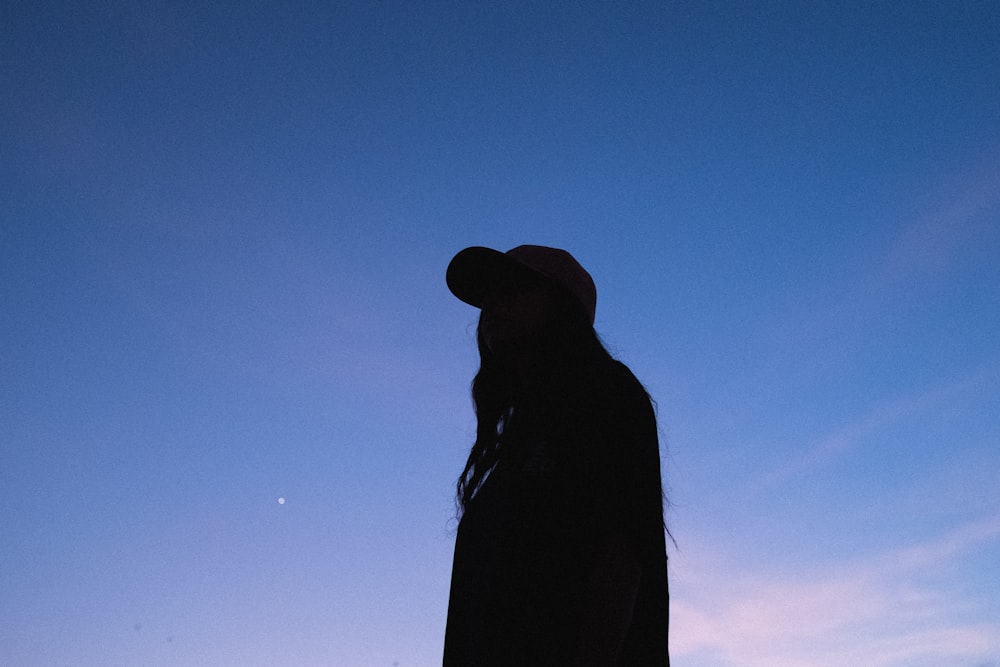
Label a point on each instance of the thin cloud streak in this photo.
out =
(932, 243)
(930, 250)
(930, 554)
(841, 442)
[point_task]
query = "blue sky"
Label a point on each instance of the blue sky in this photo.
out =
(223, 235)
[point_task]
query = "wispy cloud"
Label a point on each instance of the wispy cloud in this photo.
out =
(933, 241)
(841, 442)
(878, 612)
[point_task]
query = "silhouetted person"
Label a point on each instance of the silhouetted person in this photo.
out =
(560, 556)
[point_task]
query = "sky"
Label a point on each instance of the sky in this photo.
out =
(235, 388)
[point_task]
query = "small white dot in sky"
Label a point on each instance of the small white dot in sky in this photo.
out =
(281, 501)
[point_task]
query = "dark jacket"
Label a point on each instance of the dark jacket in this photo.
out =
(573, 477)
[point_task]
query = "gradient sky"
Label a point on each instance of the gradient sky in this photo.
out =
(223, 236)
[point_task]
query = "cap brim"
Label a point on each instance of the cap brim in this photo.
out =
(475, 271)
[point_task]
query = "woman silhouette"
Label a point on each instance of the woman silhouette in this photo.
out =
(560, 556)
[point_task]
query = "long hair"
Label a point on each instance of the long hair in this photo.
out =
(564, 355)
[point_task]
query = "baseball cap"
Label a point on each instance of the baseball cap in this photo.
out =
(474, 272)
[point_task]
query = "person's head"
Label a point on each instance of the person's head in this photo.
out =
(530, 296)
(514, 312)
(536, 339)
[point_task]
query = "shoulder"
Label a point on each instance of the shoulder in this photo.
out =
(613, 406)
(620, 390)
(623, 376)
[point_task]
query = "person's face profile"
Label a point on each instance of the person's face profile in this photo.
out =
(514, 310)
